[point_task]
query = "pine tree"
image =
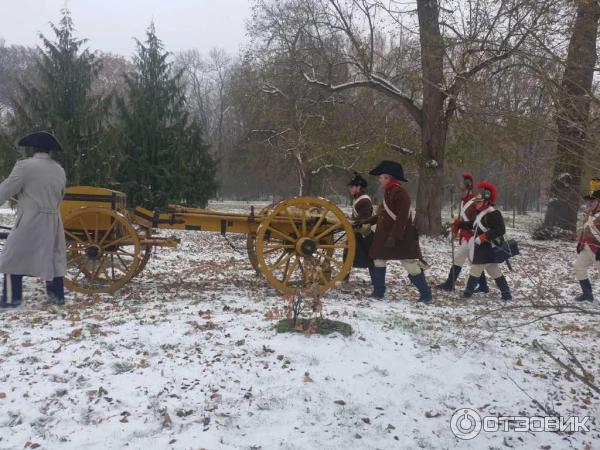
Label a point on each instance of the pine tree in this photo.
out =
(165, 156)
(62, 101)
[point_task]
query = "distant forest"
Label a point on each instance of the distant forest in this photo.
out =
(505, 90)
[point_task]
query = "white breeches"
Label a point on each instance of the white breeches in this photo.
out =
(410, 265)
(492, 269)
(585, 259)
(461, 253)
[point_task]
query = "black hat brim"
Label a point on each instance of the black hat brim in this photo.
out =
(389, 168)
(40, 139)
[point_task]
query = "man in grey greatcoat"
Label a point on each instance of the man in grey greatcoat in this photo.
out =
(36, 245)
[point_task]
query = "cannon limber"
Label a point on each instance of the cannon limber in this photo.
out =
(295, 244)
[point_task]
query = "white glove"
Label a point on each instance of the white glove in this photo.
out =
(478, 241)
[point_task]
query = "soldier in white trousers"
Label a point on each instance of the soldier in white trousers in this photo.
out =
(588, 247)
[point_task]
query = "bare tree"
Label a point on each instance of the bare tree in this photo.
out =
(572, 118)
(457, 43)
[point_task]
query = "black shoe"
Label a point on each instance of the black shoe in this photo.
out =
(504, 289)
(587, 293)
(10, 305)
(448, 285)
(54, 300)
(483, 286)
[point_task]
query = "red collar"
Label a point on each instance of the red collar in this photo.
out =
(392, 184)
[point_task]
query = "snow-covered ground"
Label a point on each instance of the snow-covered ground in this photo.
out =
(185, 357)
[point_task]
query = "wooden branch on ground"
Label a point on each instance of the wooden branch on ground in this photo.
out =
(585, 377)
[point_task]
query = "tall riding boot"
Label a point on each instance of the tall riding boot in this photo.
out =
(448, 285)
(56, 291)
(586, 289)
(12, 291)
(503, 286)
(483, 285)
(378, 281)
(470, 287)
(420, 283)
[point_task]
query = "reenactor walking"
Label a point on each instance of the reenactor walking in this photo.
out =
(487, 228)
(396, 237)
(362, 211)
(36, 244)
(467, 213)
(588, 246)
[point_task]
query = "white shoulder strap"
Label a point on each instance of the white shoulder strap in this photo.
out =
(389, 211)
(355, 202)
(592, 226)
(479, 218)
(464, 207)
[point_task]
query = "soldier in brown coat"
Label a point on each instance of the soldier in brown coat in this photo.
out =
(362, 210)
(396, 237)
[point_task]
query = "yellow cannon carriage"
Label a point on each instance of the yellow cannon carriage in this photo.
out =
(298, 243)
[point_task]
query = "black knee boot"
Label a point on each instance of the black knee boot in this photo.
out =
(55, 291)
(586, 289)
(378, 281)
(420, 283)
(483, 285)
(12, 291)
(448, 285)
(470, 287)
(504, 289)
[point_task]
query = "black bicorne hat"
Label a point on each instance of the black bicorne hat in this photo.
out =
(391, 168)
(358, 180)
(593, 196)
(40, 139)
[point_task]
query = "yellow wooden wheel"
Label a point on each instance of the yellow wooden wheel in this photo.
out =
(300, 245)
(103, 250)
(146, 252)
(251, 241)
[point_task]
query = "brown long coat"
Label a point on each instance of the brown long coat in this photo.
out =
(402, 229)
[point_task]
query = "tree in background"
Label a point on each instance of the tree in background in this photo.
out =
(62, 101)
(572, 118)
(165, 157)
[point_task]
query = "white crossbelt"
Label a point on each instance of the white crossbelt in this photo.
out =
(592, 226)
(479, 218)
(362, 197)
(464, 207)
(391, 213)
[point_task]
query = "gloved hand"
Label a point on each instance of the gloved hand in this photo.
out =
(455, 226)
(481, 239)
(390, 242)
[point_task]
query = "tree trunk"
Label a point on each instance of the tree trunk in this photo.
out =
(434, 126)
(572, 119)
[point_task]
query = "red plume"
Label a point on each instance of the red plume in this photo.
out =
(489, 187)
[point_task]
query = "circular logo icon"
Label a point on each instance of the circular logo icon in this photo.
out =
(465, 423)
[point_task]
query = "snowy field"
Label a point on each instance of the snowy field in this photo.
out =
(184, 357)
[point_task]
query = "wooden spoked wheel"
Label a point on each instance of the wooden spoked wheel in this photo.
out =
(103, 250)
(300, 245)
(251, 241)
(143, 233)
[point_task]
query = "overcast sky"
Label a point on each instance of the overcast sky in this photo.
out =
(110, 25)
